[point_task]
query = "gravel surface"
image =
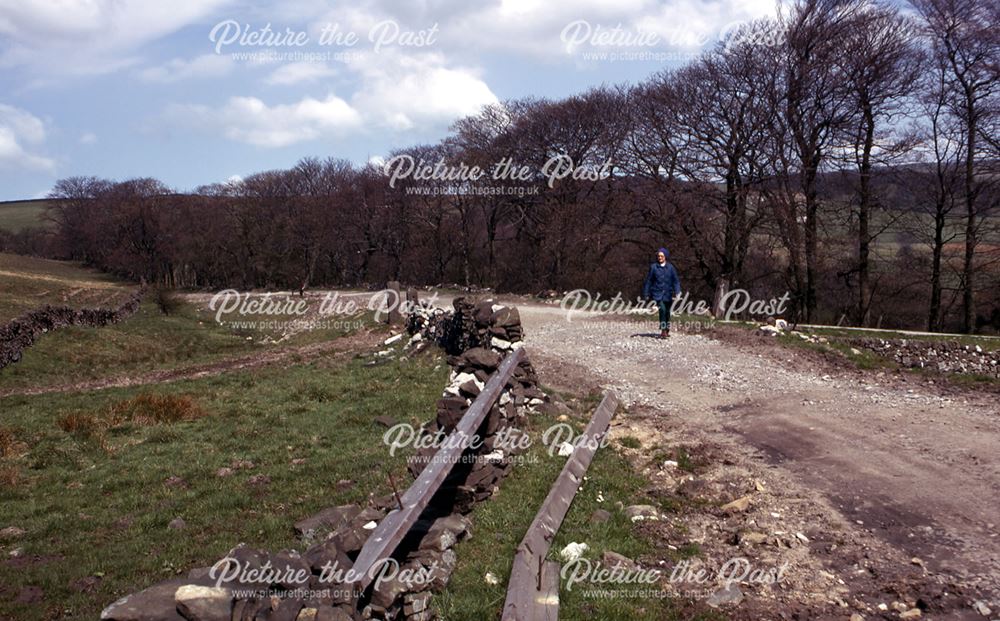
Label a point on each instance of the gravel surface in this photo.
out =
(894, 465)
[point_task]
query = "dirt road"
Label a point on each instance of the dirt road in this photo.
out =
(908, 473)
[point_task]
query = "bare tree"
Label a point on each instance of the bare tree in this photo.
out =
(817, 105)
(881, 65)
(964, 37)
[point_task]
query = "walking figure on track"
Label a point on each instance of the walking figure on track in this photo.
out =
(662, 285)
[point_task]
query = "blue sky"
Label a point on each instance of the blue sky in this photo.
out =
(127, 88)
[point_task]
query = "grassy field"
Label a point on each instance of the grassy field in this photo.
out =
(94, 477)
(27, 283)
(148, 341)
(16, 216)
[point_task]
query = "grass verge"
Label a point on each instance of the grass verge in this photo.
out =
(95, 496)
(500, 523)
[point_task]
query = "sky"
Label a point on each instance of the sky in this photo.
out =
(193, 92)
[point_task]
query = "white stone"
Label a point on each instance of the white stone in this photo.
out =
(573, 551)
(500, 343)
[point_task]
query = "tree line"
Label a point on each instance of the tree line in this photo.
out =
(845, 151)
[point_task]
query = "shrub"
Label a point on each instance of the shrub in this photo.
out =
(78, 423)
(151, 409)
(7, 441)
(144, 409)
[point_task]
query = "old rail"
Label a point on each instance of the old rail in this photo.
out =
(533, 590)
(390, 532)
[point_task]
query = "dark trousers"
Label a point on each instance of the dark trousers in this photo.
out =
(664, 307)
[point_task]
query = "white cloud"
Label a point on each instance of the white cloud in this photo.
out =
(300, 72)
(73, 37)
(250, 120)
(403, 92)
(534, 27)
(394, 91)
(204, 66)
(20, 130)
(88, 138)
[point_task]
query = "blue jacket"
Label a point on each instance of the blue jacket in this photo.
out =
(662, 283)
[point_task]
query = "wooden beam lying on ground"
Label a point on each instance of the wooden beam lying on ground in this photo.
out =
(533, 590)
(387, 535)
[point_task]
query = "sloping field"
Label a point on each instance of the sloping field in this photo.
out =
(19, 215)
(27, 283)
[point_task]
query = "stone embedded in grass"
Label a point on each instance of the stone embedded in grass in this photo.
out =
(599, 516)
(637, 513)
(612, 559)
(177, 523)
(259, 479)
(573, 551)
(175, 481)
(224, 472)
(11, 532)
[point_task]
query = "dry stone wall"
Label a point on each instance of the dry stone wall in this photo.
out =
(21, 333)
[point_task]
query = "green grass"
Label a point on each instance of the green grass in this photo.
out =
(96, 504)
(147, 341)
(15, 216)
(499, 525)
(630, 442)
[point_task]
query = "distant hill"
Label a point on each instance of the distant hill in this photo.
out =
(16, 216)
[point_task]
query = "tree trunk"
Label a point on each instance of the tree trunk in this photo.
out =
(934, 311)
(968, 302)
(864, 212)
(812, 207)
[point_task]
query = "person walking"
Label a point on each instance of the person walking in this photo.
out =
(662, 285)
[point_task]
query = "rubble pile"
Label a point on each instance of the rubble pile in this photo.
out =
(313, 585)
(249, 584)
(484, 332)
(21, 333)
(471, 324)
(943, 356)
